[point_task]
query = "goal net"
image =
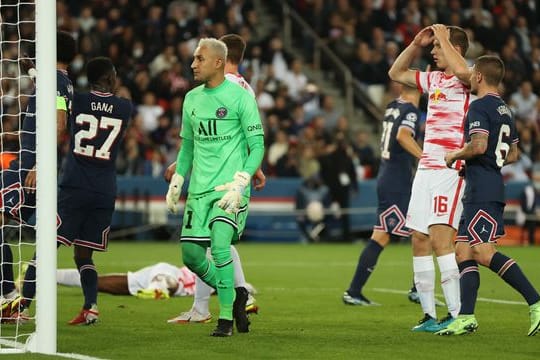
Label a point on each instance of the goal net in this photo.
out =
(28, 33)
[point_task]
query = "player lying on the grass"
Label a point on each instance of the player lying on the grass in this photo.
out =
(17, 197)
(491, 143)
(399, 151)
(87, 189)
(158, 281)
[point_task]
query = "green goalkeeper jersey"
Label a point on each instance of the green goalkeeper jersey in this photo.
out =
(219, 121)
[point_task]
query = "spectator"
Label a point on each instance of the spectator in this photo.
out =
(365, 154)
(311, 203)
(338, 173)
(295, 79)
(149, 111)
(524, 104)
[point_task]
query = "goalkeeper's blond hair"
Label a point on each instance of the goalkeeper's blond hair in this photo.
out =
(218, 47)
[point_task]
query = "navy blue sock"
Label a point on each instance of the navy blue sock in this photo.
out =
(29, 285)
(366, 264)
(6, 273)
(89, 276)
(510, 272)
(469, 282)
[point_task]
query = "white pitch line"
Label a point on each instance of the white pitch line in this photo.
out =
(18, 347)
(495, 301)
(78, 356)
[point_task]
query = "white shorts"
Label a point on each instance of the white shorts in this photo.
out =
(141, 279)
(435, 199)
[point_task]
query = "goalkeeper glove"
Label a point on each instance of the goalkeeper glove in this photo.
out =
(173, 194)
(230, 202)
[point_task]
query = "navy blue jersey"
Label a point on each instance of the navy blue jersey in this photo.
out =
(64, 89)
(97, 126)
(396, 170)
(491, 116)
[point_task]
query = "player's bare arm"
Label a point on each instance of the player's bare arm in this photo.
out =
(513, 155)
(400, 71)
(405, 137)
(477, 146)
(456, 62)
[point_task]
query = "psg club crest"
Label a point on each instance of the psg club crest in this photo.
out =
(221, 113)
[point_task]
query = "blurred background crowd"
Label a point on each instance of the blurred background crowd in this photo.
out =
(151, 44)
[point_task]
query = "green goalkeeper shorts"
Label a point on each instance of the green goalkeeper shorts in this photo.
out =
(202, 211)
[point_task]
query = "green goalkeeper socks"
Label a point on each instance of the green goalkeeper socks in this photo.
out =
(222, 234)
(194, 257)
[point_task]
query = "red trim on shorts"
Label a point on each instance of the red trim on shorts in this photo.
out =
(454, 203)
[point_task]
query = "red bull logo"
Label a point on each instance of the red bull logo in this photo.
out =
(437, 96)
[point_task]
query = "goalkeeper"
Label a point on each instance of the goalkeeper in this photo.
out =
(220, 123)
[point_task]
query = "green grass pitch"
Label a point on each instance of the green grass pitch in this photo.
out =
(301, 314)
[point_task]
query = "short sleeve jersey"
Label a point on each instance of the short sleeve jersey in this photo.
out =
(491, 116)
(64, 88)
(97, 127)
(239, 79)
(396, 170)
(219, 121)
(448, 101)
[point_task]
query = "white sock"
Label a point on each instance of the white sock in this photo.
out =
(424, 280)
(201, 297)
(450, 282)
(68, 277)
(239, 278)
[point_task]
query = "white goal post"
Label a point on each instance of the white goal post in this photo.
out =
(46, 164)
(41, 15)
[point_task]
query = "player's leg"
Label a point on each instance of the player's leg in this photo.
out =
(442, 237)
(88, 273)
(222, 234)
(68, 277)
(465, 322)
(508, 269)
(424, 279)
(445, 212)
(423, 265)
(95, 215)
(365, 267)
(6, 273)
(194, 257)
(240, 281)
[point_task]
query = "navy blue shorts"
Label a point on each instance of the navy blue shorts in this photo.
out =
(15, 200)
(391, 213)
(481, 223)
(84, 218)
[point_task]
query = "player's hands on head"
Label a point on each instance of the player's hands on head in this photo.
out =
(169, 172)
(424, 37)
(440, 32)
(173, 194)
(259, 180)
(230, 202)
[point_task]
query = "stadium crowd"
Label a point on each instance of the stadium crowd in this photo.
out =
(151, 44)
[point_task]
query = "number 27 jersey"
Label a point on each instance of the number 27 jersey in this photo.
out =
(97, 126)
